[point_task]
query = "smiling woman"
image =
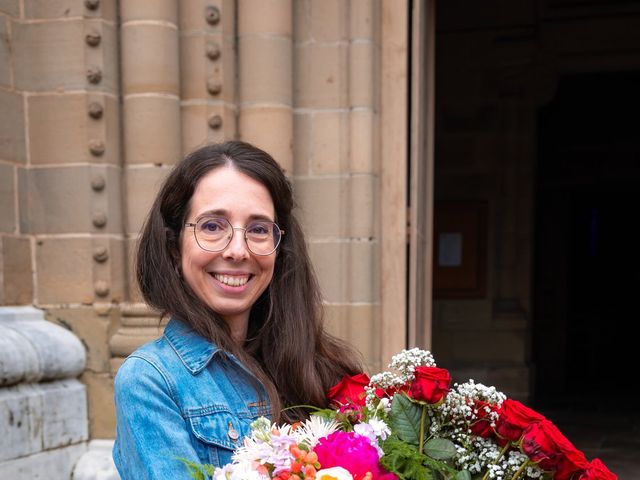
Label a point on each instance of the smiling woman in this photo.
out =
(222, 254)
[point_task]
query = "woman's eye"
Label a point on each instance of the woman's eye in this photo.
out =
(258, 229)
(212, 226)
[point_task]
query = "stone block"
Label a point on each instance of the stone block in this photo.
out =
(252, 123)
(5, 54)
(142, 186)
(10, 7)
(68, 8)
(12, 138)
(301, 21)
(302, 143)
(347, 271)
(16, 271)
(362, 19)
(329, 20)
(93, 328)
(362, 77)
(197, 70)
(64, 270)
(320, 76)
(102, 416)
(359, 325)
(272, 17)
(160, 10)
(192, 16)
(153, 130)
(337, 206)
(330, 142)
(21, 416)
(60, 129)
(264, 70)
(362, 141)
(49, 55)
(194, 66)
(150, 59)
(61, 200)
(53, 465)
(8, 192)
(64, 411)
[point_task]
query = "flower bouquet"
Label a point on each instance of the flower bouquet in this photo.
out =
(408, 423)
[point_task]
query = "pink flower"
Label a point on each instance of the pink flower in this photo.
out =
(353, 452)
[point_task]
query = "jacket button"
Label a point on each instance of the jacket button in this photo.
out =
(232, 432)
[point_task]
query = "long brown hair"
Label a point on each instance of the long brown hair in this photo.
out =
(286, 347)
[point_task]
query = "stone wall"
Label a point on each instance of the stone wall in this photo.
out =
(100, 98)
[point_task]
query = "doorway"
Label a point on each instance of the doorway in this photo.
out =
(587, 245)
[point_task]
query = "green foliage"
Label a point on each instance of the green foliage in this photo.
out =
(463, 475)
(440, 449)
(404, 460)
(405, 418)
(198, 471)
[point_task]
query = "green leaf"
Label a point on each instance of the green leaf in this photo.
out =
(440, 449)
(404, 460)
(198, 471)
(463, 475)
(405, 419)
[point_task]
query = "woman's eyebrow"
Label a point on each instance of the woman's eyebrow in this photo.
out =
(221, 212)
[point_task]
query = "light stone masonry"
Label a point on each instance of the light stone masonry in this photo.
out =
(8, 220)
(16, 274)
(61, 200)
(5, 54)
(12, 134)
(61, 132)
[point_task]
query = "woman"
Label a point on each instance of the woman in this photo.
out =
(223, 255)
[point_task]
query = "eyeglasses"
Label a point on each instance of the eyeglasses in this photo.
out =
(214, 234)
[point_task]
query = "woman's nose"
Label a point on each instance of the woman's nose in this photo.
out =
(237, 248)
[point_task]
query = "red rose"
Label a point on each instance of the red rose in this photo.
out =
(482, 425)
(430, 384)
(514, 418)
(350, 390)
(596, 470)
(543, 443)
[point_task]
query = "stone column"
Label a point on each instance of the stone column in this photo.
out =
(336, 163)
(265, 54)
(152, 141)
(207, 71)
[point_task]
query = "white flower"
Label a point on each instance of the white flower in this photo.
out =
(337, 473)
(314, 429)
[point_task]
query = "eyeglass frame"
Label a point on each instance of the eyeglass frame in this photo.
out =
(233, 231)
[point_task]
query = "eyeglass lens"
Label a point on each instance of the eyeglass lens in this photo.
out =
(214, 234)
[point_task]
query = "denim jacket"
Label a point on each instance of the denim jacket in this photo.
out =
(181, 397)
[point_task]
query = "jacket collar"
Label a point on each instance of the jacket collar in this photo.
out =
(194, 351)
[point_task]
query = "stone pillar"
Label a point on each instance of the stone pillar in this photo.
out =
(43, 408)
(64, 174)
(265, 55)
(152, 141)
(207, 71)
(336, 163)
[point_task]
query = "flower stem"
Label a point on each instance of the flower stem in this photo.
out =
(422, 421)
(520, 470)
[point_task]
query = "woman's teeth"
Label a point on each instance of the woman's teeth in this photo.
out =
(232, 280)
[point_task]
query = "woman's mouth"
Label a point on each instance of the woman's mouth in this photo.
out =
(232, 280)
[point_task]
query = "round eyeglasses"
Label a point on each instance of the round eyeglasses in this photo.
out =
(214, 234)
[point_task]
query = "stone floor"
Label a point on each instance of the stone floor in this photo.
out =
(612, 436)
